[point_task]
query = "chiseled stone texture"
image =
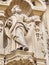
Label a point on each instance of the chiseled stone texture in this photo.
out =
(23, 36)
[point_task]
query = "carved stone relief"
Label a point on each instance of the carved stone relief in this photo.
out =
(22, 31)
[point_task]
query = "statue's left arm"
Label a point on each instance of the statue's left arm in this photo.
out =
(31, 19)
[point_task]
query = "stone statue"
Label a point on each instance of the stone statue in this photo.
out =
(20, 25)
(8, 36)
(16, 26)
(23, 30)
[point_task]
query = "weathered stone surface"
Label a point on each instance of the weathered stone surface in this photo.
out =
(23, 37)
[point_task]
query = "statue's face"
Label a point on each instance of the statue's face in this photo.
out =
(1, 26)
(16, 9)
(9, 23)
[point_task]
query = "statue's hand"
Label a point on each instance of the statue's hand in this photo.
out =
(34, 18)
(26, 19)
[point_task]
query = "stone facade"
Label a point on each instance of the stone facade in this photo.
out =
(23, 32)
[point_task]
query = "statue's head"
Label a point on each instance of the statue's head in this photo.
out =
(8, 23)
(16, 9)
(1, 26)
